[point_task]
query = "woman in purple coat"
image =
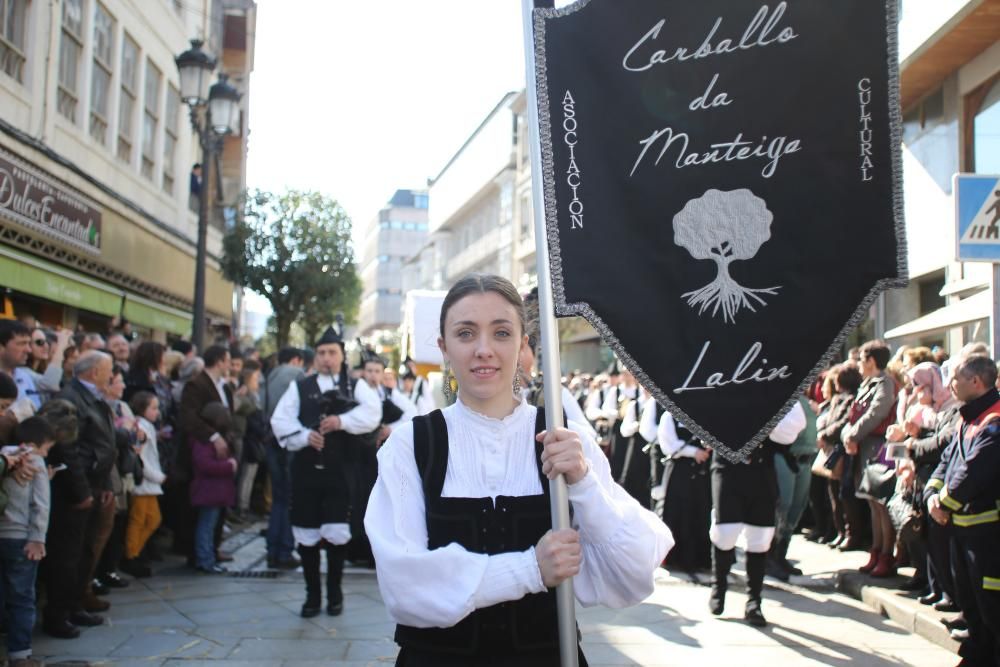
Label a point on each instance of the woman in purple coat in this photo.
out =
(213, 487)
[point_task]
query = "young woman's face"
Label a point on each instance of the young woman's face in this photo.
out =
(39, 345)
(482, 341)
(152, 413)
(925, 396)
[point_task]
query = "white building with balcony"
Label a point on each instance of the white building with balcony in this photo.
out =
(950, 97)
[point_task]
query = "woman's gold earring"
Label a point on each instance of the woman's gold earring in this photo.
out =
(517, 382)
(450, 386)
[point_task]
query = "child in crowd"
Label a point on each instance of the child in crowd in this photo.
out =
(22, 539)
(144, 512)
(213, 486)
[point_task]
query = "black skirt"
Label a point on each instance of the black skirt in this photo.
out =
(686, 508)
(409, 657)
(745, 493)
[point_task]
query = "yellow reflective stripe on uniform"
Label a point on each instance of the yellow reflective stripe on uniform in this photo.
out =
(936, 484)
(948, 501)
(991, 584)
(966, 520)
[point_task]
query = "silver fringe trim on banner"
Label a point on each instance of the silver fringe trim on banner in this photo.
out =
(564, 309)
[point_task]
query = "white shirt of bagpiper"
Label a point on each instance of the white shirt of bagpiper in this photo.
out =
(293, 435)
(574, 412)
(401, 401)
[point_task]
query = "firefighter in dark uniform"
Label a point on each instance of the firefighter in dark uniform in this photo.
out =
(744, 497)
(965, 492)
(320, 418)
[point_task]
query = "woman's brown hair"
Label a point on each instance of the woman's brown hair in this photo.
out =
(481, 283)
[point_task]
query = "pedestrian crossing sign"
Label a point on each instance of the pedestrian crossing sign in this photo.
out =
(977, 217)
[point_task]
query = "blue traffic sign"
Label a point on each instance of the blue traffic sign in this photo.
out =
(977, 217)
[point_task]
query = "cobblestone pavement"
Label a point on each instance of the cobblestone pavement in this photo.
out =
(181, 618)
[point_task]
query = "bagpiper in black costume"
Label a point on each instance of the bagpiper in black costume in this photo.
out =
(323, 475)
(744, 496)
(685, 495)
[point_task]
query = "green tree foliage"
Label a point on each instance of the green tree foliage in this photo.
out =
(295, 249)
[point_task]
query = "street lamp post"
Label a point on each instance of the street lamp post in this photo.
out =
(214, 114)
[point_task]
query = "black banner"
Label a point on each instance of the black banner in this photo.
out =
(723, 191)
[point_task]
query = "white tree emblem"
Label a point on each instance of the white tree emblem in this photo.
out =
(723, 227)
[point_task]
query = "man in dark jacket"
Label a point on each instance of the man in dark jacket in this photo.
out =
(964, 491)
(209, 386)
(82, 501)
(279, 527)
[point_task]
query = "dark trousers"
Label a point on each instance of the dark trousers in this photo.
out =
(279, 525)
(975, 565)
(17, 583)
(179, 516)
(939, 575)
(630, 467)
(115, 548)
(819, 507)
(836, 504)
(100, 523)
(61, 566)
(359, 549)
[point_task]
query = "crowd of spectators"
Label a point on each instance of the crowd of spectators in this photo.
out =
(118, 448)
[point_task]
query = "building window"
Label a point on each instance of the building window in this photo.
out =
(70, 52)
(126, 101)
(420, 201)
(12, 21)
(986, 130)
(170, 125)
(150, 119)
(100, 82)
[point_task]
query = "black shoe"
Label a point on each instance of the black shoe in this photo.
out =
(98, 587)
(85, 619)
(212, 569)
(335, 609)
(112, 580)
(136, 568)
(309, 610)
(945, 605)
(774, 570)
(754, 616)
(289, 563)
(60, 629)
(930, 598)
(956, 623)
(914, 584)
(788, 567)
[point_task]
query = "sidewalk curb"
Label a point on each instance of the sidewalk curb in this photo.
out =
(921, 621)
(903, 610)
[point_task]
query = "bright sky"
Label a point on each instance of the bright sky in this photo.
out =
(359, 98)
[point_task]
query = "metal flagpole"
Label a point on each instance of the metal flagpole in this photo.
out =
(558, 494)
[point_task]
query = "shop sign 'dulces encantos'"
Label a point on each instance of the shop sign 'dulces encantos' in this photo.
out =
(722, 190)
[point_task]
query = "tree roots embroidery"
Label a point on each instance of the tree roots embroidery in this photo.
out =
(724, 227)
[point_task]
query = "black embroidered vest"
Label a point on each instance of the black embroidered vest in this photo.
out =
(341, 447)
(513, 524)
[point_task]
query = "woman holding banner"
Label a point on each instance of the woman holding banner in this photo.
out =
(460, 522)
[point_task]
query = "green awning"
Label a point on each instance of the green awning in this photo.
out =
(153, 315)
(37, 277)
